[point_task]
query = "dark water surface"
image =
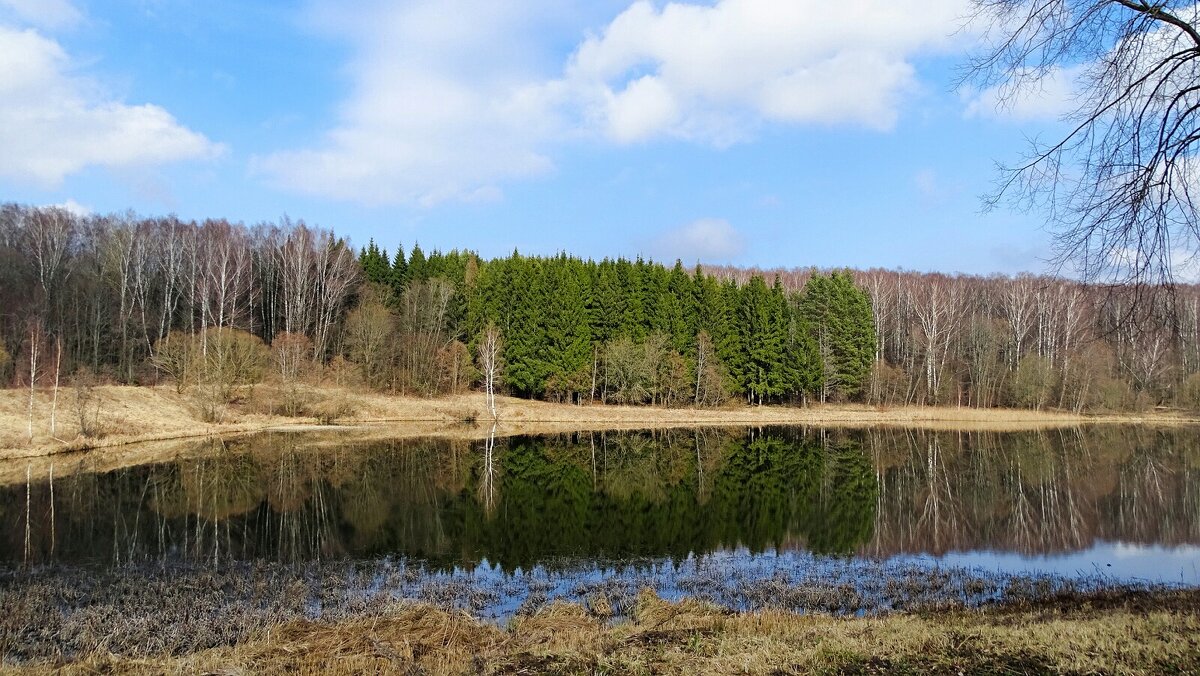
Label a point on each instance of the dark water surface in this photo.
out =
(1111, 502)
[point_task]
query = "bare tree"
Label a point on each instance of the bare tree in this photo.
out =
(48, 234)
(1118, 187)
(35, 340)
(491, 345)
(1017, 301)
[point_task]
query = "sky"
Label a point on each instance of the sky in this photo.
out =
(769, 133)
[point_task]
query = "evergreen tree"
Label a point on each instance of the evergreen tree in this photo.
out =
(762, 328)
(417, 265)
(838, 316)
(607, 303)
(567, 331)
(677, 310)
(374, 264)
(399, 275)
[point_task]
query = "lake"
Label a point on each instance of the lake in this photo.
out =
(1121, 503)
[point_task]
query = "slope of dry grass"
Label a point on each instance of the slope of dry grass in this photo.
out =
(135, 414)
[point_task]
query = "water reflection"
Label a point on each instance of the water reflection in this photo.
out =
(517, 502)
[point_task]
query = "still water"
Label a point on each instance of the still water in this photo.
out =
(1116, 502)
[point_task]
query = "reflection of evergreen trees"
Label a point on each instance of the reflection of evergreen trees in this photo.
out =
(611, 495)
(622, 495)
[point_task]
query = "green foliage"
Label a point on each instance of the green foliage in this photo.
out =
(764, 371)
(376, 267)
(837, 314)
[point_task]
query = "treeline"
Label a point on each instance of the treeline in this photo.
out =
(613, 331)
(217, 305)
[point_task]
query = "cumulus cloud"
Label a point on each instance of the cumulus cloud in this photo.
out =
(450, 96)
(712, 73)
(712, 240)
(53, 123)
(52, 14)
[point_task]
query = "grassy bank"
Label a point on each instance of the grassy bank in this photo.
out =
(127, 415)
(1111, 632)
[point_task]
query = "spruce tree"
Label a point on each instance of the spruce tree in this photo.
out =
(417, 265)
(399, 274)
(762, 329)
(838, 316)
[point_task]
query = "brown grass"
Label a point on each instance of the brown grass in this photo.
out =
(138, 414)
(1142, 634)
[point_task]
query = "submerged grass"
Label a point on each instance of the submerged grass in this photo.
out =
(355, 617)
(1143, 632)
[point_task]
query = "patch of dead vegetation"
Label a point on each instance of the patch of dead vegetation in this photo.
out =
(126, 415)
(689, 637)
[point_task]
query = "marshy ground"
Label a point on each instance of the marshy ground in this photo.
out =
(718, 616)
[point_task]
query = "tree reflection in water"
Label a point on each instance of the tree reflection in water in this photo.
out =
(522, 501)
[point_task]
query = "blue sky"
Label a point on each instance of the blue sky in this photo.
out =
(753, 132)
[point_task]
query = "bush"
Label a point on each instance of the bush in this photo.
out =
(1189, 392)
(291, 354)
(331, 410)
(5, 364)
(218, 361)
(1032, 385)
(87, 403)
(230, 358)
(173, 356)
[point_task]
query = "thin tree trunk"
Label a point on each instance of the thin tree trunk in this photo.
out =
(54, 399)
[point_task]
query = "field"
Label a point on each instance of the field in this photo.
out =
(124, 415)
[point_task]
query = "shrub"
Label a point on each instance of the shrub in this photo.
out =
(1189, 392)
(1032, 385)
(291, 355)
(5, 364)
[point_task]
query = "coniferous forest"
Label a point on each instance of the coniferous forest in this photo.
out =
(127, 299)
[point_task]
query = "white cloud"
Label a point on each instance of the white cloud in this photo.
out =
(713, 73)
(441, 106)
(74, 207)
(52, 14)
(449, 96)
(53, 124)
(1049, 98)
(708, 239)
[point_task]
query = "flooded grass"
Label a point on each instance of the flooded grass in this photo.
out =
(1127, 631)
(60, 615)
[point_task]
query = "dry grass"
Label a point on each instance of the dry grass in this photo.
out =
(1142, 634)
(137, 414)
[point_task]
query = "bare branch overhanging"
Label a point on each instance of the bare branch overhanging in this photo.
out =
(1118, 188)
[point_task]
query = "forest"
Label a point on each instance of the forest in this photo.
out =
(217, 305)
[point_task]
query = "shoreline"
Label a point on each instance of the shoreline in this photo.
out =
(159, 414)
